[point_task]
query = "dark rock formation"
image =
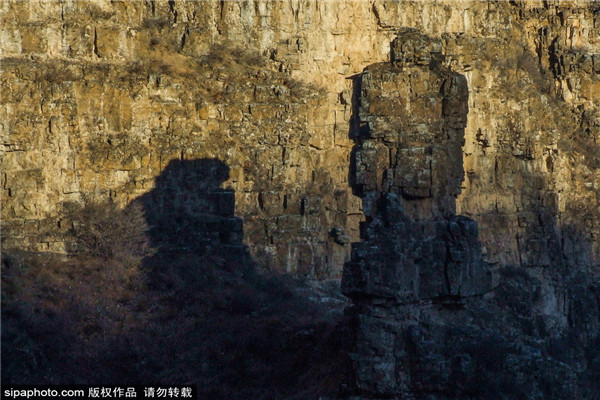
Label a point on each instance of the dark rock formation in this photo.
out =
(428, 322)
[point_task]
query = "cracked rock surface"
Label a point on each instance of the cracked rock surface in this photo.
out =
(428, 322)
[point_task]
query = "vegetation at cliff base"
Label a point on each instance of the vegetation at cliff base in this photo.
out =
(115, 313)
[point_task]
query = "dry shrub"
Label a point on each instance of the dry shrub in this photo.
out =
(236, 332)
(96, 13)
(62, 314)
(59, 312)
(229, 53)
(155, 23)
(100, 229)
(528, 63)
(58, 72)
(578, 144)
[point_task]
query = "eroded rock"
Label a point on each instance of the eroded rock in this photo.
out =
(428, 321)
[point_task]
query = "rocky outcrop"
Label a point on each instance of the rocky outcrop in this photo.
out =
(408, 171)
(428, 323)
(415, 251)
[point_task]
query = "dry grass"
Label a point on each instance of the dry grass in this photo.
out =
(188, 319)
(107, 315)
(155, 23)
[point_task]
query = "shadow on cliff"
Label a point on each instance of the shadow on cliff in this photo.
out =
(188, 209)
(245, 317)
(198, 310)
(189, 213)
(355, 133)
(551, 299)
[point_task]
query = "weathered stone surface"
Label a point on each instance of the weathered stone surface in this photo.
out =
(429, 323)
(167, 80)
(99, 98)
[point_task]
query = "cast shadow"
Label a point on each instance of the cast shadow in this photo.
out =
(191, 218)
(357, 132)
(188, 211)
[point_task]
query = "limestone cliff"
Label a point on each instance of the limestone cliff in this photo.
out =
(101, 96)
(467, 170)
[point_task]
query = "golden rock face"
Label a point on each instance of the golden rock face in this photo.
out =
(99, 97)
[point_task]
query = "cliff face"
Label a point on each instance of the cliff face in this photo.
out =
(472, 162)
(99, 97)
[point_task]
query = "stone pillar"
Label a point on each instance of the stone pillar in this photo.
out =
(416, 255)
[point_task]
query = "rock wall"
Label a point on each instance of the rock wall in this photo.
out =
(100, 97)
